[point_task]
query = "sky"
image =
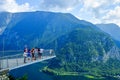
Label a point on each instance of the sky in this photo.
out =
(95, 11)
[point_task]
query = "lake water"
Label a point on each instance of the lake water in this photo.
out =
(32, 71)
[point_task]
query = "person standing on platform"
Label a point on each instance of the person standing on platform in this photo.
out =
(25, 54)
(51, 52)
(36, 53)
(29, 54)
(41, 52)
(33, 54)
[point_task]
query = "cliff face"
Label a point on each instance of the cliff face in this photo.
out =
(113, 53)
(5, 19)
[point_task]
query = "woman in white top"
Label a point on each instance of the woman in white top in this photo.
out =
(25, 55)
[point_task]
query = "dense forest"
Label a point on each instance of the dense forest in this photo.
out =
(85, 51)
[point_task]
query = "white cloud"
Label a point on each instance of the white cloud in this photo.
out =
(116, 2)
(91, 10)
(58, 5)
(100, 11)
(12, 6)
(92, 3)
(95, 11)
(114, 13)
(113, 16)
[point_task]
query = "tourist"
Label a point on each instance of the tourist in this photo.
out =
(33, 54)
(25, 54)
(39, 54)
(29, 54)
(36, 53)
(51, 52)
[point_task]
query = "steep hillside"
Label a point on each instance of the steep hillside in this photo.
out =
(5, 18)
(88, 43)
(37, 28)
(86, 51)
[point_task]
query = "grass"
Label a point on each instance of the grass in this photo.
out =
(54, 72)
(89, 76)
(72, 74)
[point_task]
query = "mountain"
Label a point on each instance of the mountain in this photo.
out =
(80, 47)
(85, 52)
(112, 29)
(36, 28)
(98, 45)
(5, 18)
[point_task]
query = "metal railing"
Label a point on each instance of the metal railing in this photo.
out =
(11, 61)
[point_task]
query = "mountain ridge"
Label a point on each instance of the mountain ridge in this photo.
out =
(35, 24)
(112, 29)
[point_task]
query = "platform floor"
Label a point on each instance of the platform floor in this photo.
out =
(14, 63)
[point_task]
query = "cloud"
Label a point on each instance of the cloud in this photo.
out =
(95, 11)
(116, 2)
(58, 5)
(92, 3)
(100, 11)
(95, 8)
(12, 6)
(113, 16)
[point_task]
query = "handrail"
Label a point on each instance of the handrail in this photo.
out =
(11, 56)
(12, 61)
(12, 51)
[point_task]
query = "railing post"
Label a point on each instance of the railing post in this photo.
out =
(7, 63)
(17, 60)
(0, 64)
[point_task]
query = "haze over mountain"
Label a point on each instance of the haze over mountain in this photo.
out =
(112, 29)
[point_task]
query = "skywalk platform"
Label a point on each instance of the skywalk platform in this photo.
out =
(16, 61)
